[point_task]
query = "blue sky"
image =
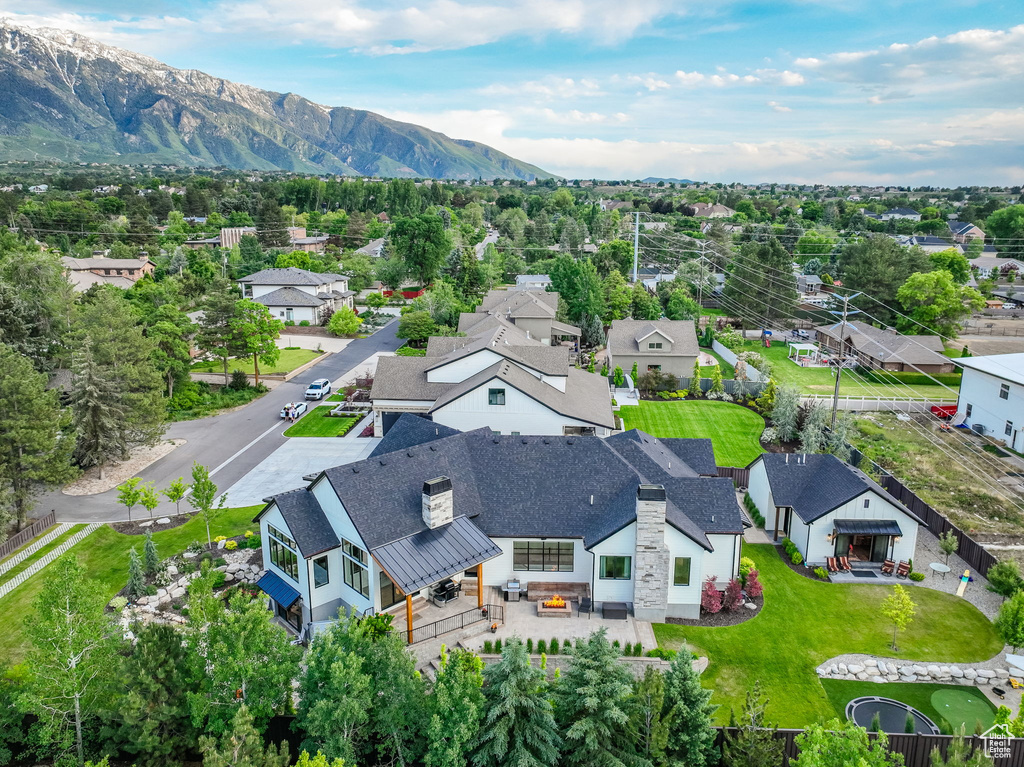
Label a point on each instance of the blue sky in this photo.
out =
(833, 91)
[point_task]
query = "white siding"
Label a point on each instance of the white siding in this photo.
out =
(519, 413)
(622, 544)
(299, 313)
(761, 494)
(981, 391)
(817, 548)
(459, 370)
(499, 570)
(682, 600)
(273, 517)
(262, 290)
(343, 527)
(724, 561)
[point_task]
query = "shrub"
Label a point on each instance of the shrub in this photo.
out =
(710, 598)
(797, 558)
(661, 652)
(917, 577)
(118, 603)
(231, 545)
(218, 579)
(542, 646)
(529, 647)
(754, 586)
(220, 538)
(289, 323)
(249, 533)
(304, 324)
(254, 543)
(219, 562)
(821, 573)
(746, 565)
(553, 647)
(733, 597)
(239, 381)
(488, 647)
(616, 645)
(497, 646)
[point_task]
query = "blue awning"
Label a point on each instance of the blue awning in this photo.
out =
(275, 588)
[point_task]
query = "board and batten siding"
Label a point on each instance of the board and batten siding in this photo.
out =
(337, 594)
(817, 547)
(459, 370)
(520, 413)
(621, 544)
(684, 601)
(273, 517)
(499, 570)
(981, 391)
(761, 494)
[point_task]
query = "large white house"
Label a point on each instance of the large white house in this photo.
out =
(991, 397)
(298, 295)
(630, 519)
(830, 509)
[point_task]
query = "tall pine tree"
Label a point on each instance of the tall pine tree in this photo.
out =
(688, 712)
(760, 285)
(242, 746)
(753, 744)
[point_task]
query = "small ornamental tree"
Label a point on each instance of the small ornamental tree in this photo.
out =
(717, 384)
(695, 389)
(149, 498)
(604, 370)
(634, 373)
(1004, 578)
(136, 581)
(344, 322)
(175, 492)
(899, 609)
(710, 597)
(150, 557)
(203, 492)
(1010, 622)
(129, 494)
(948, 543)
(754, 586)
(619, 377)
(733, 595)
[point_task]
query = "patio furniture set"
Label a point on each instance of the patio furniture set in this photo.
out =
(842, 565)
(560, 605)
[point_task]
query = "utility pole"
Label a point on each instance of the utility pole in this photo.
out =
(636, 247)
(839, 368)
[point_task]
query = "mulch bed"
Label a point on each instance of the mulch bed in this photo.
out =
(133, 527)
(722, 617)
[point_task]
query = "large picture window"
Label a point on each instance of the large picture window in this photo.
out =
(681, 572)
(543, 556)
(281, 554)
(616, 568)
(353, 568)
(321, 572)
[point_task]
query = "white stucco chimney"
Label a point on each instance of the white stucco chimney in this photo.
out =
(438, 508)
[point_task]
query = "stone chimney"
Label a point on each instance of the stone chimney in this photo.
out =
(437, 502)
(651, 564)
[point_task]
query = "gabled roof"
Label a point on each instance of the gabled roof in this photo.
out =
(625, 336)
(307, 523)
(513, 345)
(903, 212)
(647, 330)
(887, 345)
(962, 227)
(1009, 367)
(289, 297)
(814, 485)
(290, 276)
(414, 431)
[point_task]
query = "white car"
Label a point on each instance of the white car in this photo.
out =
(318, 389)
(300, 408)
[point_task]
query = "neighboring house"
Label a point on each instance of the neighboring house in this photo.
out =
(531, 311)
(706, 210)
(707, 226)
(930, 244)
(899, 214)
(964, 232)
(39, 188)
(83, 273)
(629, 519)
(991, 397)
(884, 349)
(809, 283)
(609, 205)
(992, 266)
(297, 295)
(533, 282)
(374, 249)
(496, 377)
(830, 509)
(666, 345)
(232, 235)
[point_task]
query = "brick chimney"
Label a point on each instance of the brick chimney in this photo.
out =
(437, 502)
(651, 564)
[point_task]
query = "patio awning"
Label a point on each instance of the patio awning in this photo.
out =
(432, 555)
(867, 527)
(273, 586)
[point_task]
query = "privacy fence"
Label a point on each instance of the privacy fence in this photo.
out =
(19, 539)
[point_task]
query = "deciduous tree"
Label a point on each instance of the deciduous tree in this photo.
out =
(423, 243)
(841, 744)
(344, 322)
(457, 706)
(254, 332)
(175, 492)
(936, 304)
(203, 493)
(899, 609)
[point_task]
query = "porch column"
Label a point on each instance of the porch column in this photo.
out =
(480, 584)
(776, 536)
(408, 615)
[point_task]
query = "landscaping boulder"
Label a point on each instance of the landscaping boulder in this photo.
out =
(228, 577)
(944, 671)
(920, 670)
(871, 662)
(982, 680)
(145, 524)
(856, 668)
(956, 672)
(164, 521)
(879, 679)
(1002, 673)
(908, 678)
(934, 671)
(189, 555)
(171, 570)
(970, 673)
(893, 677)
(862, 676)
(221, 544)
(843, 669)
(882, 667)
(986, 673)
(177, 592)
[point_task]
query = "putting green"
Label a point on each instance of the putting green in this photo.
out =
(964, 707)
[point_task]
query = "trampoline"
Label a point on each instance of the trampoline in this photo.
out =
(892, 715)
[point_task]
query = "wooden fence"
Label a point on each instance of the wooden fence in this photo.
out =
(916, 749)
(18, 540)
(972, 552)
(740, 477)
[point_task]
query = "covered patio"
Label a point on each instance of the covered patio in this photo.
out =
(866, 542)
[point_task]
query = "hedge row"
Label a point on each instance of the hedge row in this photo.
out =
(912, 379)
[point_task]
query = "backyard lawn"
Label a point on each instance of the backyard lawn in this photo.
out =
(286, 363)
(804, 623)
(318, 423)
(104, 555)
(948, 705)
(734, 431)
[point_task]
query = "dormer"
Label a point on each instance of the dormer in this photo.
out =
(651, 340)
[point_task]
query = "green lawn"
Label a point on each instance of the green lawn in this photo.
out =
(287, 362)
(734, 430)
(728, 371)
(821, 381)
(804, 623)
(949, 706)
(28, 561)
(317, 423)
(105, 557)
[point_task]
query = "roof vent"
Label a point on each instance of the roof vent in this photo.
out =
(268, 500)
(547, 441)
(570, 441)
(409, 453)
(525, 442)
(355, 470)
(383, 463)
(433, 449)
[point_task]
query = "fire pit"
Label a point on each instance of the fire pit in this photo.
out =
(555, 607)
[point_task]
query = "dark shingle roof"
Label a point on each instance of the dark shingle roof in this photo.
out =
(415, 431)
(306, 521)
(288, 297)
(291, 275)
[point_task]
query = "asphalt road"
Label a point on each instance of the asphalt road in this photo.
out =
(230, 444)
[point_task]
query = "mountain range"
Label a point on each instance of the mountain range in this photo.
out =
(67, 97)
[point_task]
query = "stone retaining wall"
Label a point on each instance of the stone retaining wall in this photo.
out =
(882, 671)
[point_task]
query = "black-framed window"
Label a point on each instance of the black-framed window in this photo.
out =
(656, 345)
(653, 367)
(284, 558)
(321, 572)
(354, 568)
(967, 412)
(287, 541)
(867, 503)
(350, 549)
(543, 556)
(616, 568)
(390, 594)
(495, 396)
(1004, 391)
(681, 571)
(1009, 428)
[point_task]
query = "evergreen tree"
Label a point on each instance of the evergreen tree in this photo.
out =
(242, 746)
(97, 409)
(688, 712)
(35, 450)
(272, 227)
(215, 337)
(754, 744)
(136, 580)
(592, 707)
(457, 707)
(647, 725)
(150, 557)
(592, 331)
(839, 437)
(812, 433)
(761, 285)
(960, 754)
(171, 330)
(717, 384)
(786, 412)
(519, 727)
(151, 722)
(695, 388)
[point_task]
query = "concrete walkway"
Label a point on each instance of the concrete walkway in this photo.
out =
(39, 564)
(20, 556)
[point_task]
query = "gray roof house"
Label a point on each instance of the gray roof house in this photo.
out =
(884, 349)
(532, 311)
(629, 519)
(669, 346)
(298, 295)
(828, 508)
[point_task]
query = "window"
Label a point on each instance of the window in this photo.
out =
(681, 575)
(1004, 391)
(281, 554)
(353, 568)
(967, 412)
(1009, 428)
(616, 568)
(543, 556)
(654, 345)
(321, 573)
(867, 503)
(515, 434)
(390, 594)
(653, 367)
(495, 396)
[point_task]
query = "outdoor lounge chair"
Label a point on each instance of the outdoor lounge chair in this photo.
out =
(844, 564)
(586, 606)
(903, 570)
(830, 564)
(888, 567)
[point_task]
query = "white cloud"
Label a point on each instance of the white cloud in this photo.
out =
(547, 88)
(723, 78)
(777, 107)
(651, 82)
